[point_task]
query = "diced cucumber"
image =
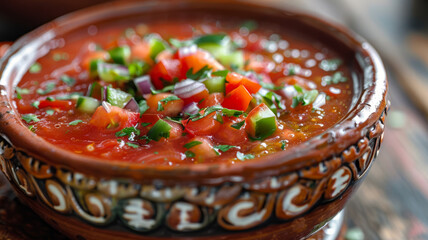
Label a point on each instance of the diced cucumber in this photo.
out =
(138, 68)
(87, 104)
(261, 122)
(93, 67)
(112, 72)
(215, 84)
(120, 55)
(117, 97)
(235, 58)
(159, 130)
(219, 39)
(216, 50)
(156, 46)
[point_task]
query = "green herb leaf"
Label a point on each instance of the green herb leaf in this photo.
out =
(49, 87)
(59, 56)
(164, 101)
(192, 144)
(131, 132)
(35, 104)
(35, 68)
(20, 92)
(244, 157)
(165, 89)
(238, 125)
(74, 95)
(142, 105)
(207, 111)
(270, 86)
(132, 145)
(204, 72)
(32, 128)
(138, 68)
(30, 118)
(304, 97)
(330, 65)
(189, 154)
(145, 124)
(179, 44)
(68, 80)
(220, 73)
(224, 148)
(75, 122)
(283, 144)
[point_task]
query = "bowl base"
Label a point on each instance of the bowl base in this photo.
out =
(333, 230)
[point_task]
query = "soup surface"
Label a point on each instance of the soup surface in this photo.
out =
(184, 91)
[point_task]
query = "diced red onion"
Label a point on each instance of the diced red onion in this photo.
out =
(319, 101)
(143, 84)
(191, 108)
(186, 51)
(104, 93)
(187, 88)
(106, 106)
(132, 105)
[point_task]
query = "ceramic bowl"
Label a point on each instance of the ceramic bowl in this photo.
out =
(285, 195)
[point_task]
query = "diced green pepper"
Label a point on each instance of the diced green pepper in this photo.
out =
(120, 55)
(160, 130)
(261, 122)
(117, 97)
(215, 84)
(138, 68)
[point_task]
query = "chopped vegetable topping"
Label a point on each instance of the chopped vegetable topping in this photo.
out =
(304, 97)
(30, 118)
(243, 157)
(49, 88)
(330, 65)
(75, 122)
(35, 68)
(192, 144)
(68, 80)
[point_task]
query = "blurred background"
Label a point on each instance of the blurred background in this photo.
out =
(392, 202)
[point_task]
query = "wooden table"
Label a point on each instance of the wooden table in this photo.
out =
(392, 202)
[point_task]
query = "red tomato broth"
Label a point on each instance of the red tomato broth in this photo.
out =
(296, 125)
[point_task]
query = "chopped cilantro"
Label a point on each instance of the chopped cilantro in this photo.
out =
(49, 87)
(68, 80)
(238, 125)
(192, 144)
(303, 97)
(270, 86)
(165, 89)
(244, 157)
(164, 101)
(189, 154)
(35, 104)
(330, 65)
(224, 148)
(74, 95)
(131, 132)
(220, 73)
(50, 99)
(30, 118)
(283, 144)
(35, 68)
(209, 110)
(145, 124)
(201, 74)
(142, 105)
(75, 122)
(32, 128)
(59, 56)
(20, 92)
(132, 145)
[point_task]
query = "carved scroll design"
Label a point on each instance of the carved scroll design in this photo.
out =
(232, 206)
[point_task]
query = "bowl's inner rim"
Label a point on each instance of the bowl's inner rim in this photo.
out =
(23, 52)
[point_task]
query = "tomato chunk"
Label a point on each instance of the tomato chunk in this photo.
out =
(212, 100)
(204, 126)
(202, 151)
(166, 72)
(59, 104)
(116, 117)
(158, 105)
(199, 60)
(231, 135)
(238, 99)
(234, 80)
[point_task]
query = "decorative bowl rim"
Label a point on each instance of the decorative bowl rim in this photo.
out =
(371, 102)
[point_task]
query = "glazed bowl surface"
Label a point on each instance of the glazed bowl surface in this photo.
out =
(284, 195)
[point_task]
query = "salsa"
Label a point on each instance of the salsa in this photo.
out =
(189, 91)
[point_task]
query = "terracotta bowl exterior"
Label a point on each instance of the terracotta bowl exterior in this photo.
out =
(286, 195)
